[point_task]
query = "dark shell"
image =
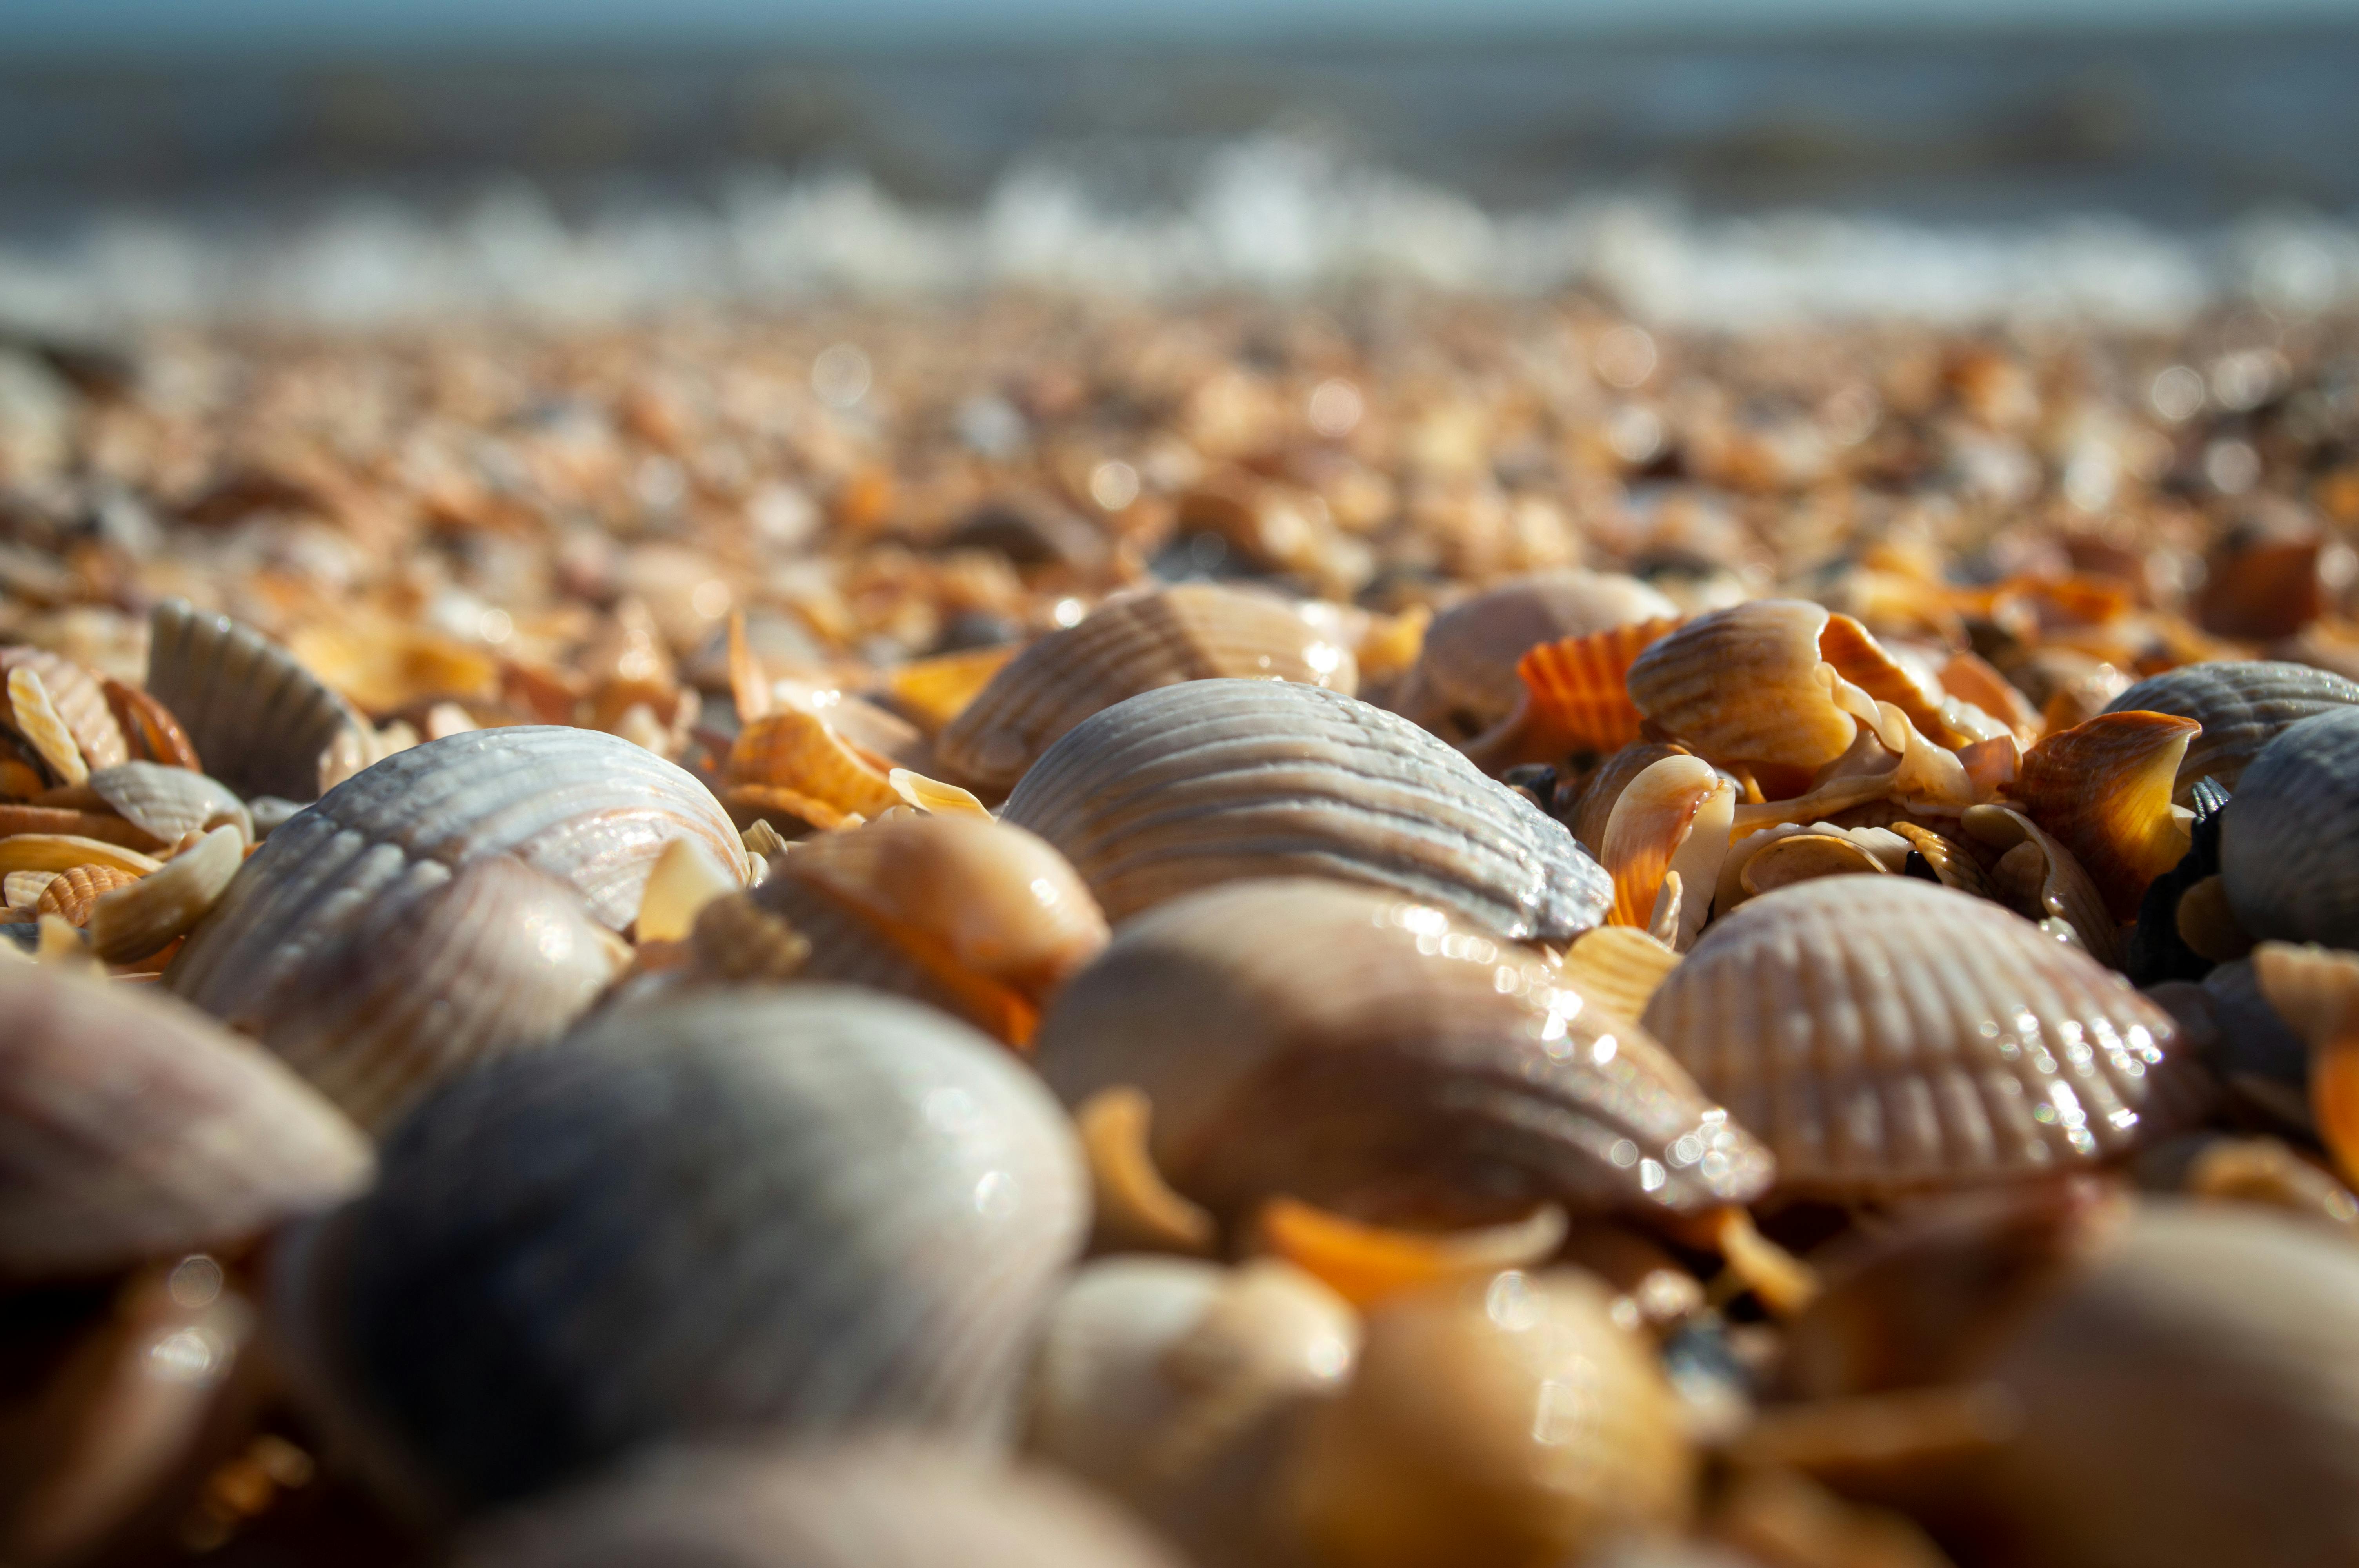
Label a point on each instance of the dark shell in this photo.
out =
(2243, 705)
(259, 719)
(1206, 783)
(2289, 839)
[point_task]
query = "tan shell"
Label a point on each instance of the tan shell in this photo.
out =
(132, 1128)
(72, 892)
(167, 801)
(78, 700)
(1749, 684)
(261, 721)
(35, 718)
(1464, 680)
(1618, 967)
(1195, 784)
(1127, 645)
(1511, 1422)
(1382, 1060)
(361, 943)
(2242, 704)
(1884, 1033)
(138, 921)
(2038, 879)
(2103, 789)
(1594, 807)
(874, 1504)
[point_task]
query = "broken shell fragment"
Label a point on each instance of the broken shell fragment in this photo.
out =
(1673, 817)
(2103, 790)
(2242, 704)
(135, 921)
(1467, 676)
(792, 760)
(1195, 784)
(1884, 1033)
(262, 722)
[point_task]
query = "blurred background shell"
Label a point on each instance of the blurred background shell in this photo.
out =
(368, 942)
(1464, 680)
(260, 722)
(816, 1210)
(1884, 1033)
(1129, 644)
(2243, 705)
(2290, 837)
(1195, 784)
(1381, 1059)
(133, 1128)
(883, 1503)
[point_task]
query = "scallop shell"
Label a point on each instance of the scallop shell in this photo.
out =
(1384, 1061)
(1465, 678)
(167, 801)
(1509, 1423)
(1192, 785)
(1128, 646)
(356, 940)
(874, 1205)
(2290, 837)
(131, 1128)
(1884, 1033)
(72, 892)
(2242, 704)
(260, 720)
(2103, 790)
(873, 1504)
(1576, 700)
(78, 700)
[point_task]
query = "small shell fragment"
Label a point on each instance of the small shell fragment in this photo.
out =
(136, 921)
(167, 802)
(71, 894)
(2103, 789)
(2242, 705)
(36, 719)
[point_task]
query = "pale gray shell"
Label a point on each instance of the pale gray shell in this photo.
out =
(2290, 837)
(2243, 705)
(1464, 679)
(131, 1128)
(1339, 1046)
(876, 1504)
(1205, 782)
(1133, 643)
(168, 802)
(365, 898)
(1885, 1033)
(259, 719)
(813, 1209)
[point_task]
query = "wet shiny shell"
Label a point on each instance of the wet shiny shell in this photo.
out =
(1192, 631)
(877, 1504)
(2243, 705)
(2290, 837)
(815, 1210)
(132, 1128)
(259, 719)
(1464, 679)
(360, 943)
(1201, 784)
(1383, 1060)
(1883, 1034)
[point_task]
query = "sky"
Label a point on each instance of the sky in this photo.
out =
(115, 26)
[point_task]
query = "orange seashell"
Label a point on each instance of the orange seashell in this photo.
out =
(2102, 790)
(105, 827)
(1750, 684)
(1366, 1263)
(2262, 587)
(72, 892)
(1674, 817)
(1860, 659)
(383, 665)
(1618, 967)
(150, 728)
(1971, 678)
(1136, 1210)
(1594, 809)
(2316, 990)
(795, 752)
(1576, 694)
(932, 692)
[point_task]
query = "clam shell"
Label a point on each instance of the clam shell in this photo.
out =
(1195, 784)
(2243, 705)
(78, 700)
(1382, 1060)
(167, 802)
(1594, 807)
(153, 734)
(356, 936)
(1884, 1033)
(1466, 679)
(874, 1504)
(260, 720)
(132, 1128)
(2290, 837)
(1748, 685)
(1128, 646)
(816, 1211)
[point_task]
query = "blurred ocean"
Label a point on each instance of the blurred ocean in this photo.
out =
(2130, 177)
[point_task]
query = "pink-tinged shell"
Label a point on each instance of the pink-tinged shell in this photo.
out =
(1465, 678)
(1128, 646)
(132, 1128)
(1885, 1033)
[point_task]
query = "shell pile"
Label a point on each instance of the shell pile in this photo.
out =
(608, 957)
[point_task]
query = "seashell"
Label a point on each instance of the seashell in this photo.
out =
(1968, 677)
(935, 796)
(2262, 1170)
(1174, 1385)
(877, 1503)
(36, 720)
(360, 943)
(64, 851)
(135, 921)
(71, 892)
(874, 1202)
(1617, 968)
(261, 720)
(1466, 678)
(1368, 1263)
(979, 919)
(2258, 1055)
(165, 802)
(1508, 1422)
(1576, 698)
(60, 819)
(685, 880)
(1383, 1060)
(1672, 818)
(1130, 645)
(792, 761)
(2242, 705)
(2038, 879)
(932, 692)
(2103, 789)
(22, 890)
(1184, 787)
(1781, 858)
(153, 734)
(2171, 1370)
(137, 1129)
(384, 666)
(1953, 862)
(1885, 1033)
(2316, 992)
(2289, 836)
(77, 700)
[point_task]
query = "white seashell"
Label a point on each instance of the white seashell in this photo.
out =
(167, 802)
(132, 923)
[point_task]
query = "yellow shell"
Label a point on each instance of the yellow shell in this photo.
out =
(792, 760)
(2102, 789)
(1618, 967)
(37, 720)
(383, 665)
(932, 692)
